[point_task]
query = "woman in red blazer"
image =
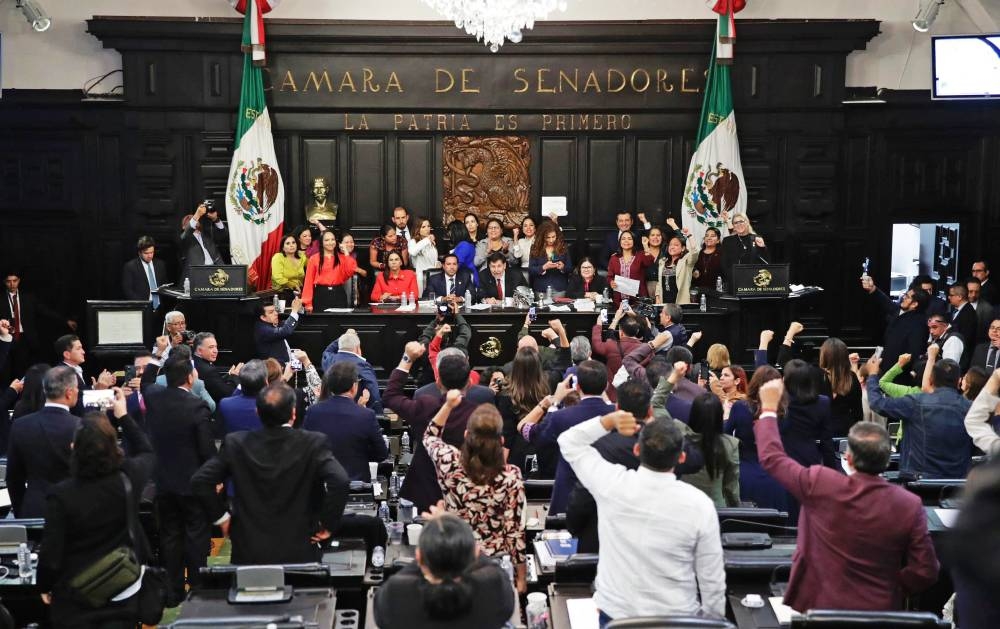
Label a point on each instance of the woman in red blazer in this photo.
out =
(395, 281)
(627, 262)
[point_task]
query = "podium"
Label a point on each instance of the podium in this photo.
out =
(759, 280)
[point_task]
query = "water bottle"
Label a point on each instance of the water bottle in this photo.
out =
(274, 301)
(404, 443)
(533, 470)
(703, 304)
(394, 486)
(718, 284)
(606, 295)
(187, 286)
(548, 295)
(413, 298)
(402, 300)
(24, 561)
(378, 559)
(383, 512)
(385, 438)
(468, 301)
(537, 611)
(508, 567)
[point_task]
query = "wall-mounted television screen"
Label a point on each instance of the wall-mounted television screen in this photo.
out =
(965, 66)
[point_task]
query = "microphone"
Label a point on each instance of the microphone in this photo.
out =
(759, 257)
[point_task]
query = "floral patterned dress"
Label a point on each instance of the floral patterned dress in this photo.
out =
(495, 511)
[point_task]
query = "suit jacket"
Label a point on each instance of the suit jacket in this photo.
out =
(555, 424)
(38, 458)
(135, 284)
(239, 412)
(857, 566)
(989, 292)
(613, 354)
(198, 388)
(984, 317)
(477, 394)
(179, 425)
(966, 323)
(463, 282)
(488, 284)
(288, 487)
(575, 287)
(190, 250)
(352, 432)
(30, 309)
(980, 356)
(366, 372)
(421, 486)
(611, 243)
(219, 386)
(271, 340)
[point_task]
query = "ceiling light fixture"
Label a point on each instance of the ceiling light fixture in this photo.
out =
(926, 15)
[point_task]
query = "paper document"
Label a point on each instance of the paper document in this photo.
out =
(407, 308)
(947, 516)
(554, 205)
(481, 306)
(559, 309)
(782, 612)
(584, 305)
(626, 286)
(582, 613)
(339, 310)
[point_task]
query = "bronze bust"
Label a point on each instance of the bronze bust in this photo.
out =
(321, 208)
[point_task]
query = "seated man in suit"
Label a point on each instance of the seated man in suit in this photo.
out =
(38, 454)
(347, 348)
(863, 542)
(272, 339)
(501, 281)
(179, 426)
(143, 274)
(290, 491)
(451, 283)
(239, 411)
(351, 429)
(987, 355)
(206, 351)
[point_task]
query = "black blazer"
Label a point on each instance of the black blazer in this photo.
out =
(488, 284)
(575, 287)
(980, 355)
(352, 432)
(179, 425)
(287, 486)
(463, 282)
(190, 250)
(270, 340)
(38, 457)
(30, 310)
(135, 284)
(966, 323)
(219, 386)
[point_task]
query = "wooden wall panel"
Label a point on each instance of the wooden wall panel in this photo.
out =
(605, 181)
(654, 191)
(416, 177)
(366, 184)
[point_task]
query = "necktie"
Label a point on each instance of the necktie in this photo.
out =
(586, 286)
(152, 285)
(499, 289)
(451, 286)
(991, 362)
(15, 308)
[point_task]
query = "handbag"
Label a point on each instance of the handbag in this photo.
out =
(95, 585)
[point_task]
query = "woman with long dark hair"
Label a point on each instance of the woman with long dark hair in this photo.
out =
(326, 274)
(756, 485)
(463, 248)
(450, 585)
(720, 477)
(471, 223)
(585, 282)
(387, 240)
(550, 264)
(840, 385)
(478, 484)
(32, 396)
(288, 267)
(357, 286)
(652, 243)
(86, 518)
(423, 251)
(395, 281)
(522, 246)
(708, 266)
(308, 245)
(527, 385)
(675, 268)
(494, 242)
(629, 263)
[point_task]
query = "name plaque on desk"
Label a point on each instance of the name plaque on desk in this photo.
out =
(218, 280)
(760, 280)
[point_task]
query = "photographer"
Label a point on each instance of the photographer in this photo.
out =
(450, 327)
(175, 333)
(202, 231)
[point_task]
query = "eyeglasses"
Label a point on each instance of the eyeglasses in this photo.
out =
(995, 328)
(739, 222)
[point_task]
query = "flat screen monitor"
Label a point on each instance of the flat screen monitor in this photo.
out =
(923, 249)
(965, 66)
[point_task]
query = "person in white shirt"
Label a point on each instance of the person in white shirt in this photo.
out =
(423, 251)
(942, 335)
(660, 543)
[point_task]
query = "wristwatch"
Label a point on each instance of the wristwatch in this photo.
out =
(406, 358)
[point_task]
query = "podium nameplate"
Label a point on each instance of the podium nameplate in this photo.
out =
(760, 280)
(218, 280)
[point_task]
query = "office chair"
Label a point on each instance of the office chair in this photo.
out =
(844, 619)
(671, 622)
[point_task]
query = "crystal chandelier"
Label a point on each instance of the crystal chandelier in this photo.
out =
(494, 21)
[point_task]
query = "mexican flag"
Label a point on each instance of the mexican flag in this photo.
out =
(715, 182)
(255, 195)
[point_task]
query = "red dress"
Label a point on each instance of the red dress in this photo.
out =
(405, 282)
(635, 270)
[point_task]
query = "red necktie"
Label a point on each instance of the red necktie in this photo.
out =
(499, 289)
(586, 286)
(16, 311)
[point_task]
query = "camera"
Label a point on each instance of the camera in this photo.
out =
(445, 314)
(209, 205)
(644, 308)
(187, 336)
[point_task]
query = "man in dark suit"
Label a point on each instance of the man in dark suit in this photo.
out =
(981, 271)
(142, 274)
(831, 570)
(501, 281)
(6, 340)
(451, 283)
(987, 355)
(347, 348)
(239, 410)
(614, 350)
(935, 305)
(71, 350)
(352, 431)
(39, 450)
(475, 393)
(179, 425)
(26, 315)
(623, 221)
(906, 323)
(202, 231)
(963, 319)
(983, 308)
(270, 338)
(591, 381)
(421, 486)
(206, 351)
(290, 491)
